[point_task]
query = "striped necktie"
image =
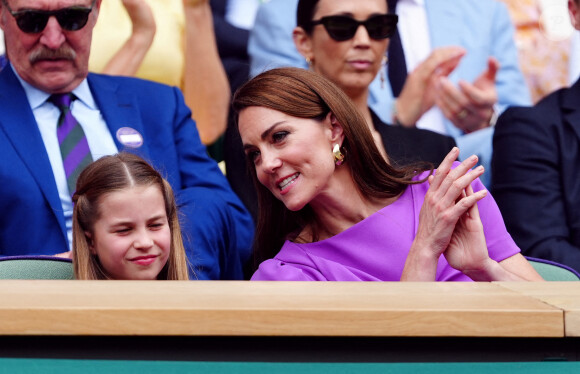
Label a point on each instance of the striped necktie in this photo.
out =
(74, 148)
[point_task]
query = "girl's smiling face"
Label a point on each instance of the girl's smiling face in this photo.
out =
(131, 237)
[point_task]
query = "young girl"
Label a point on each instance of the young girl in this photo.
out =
(125, 223)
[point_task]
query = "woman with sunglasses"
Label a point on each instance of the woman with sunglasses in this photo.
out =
(331, 208)
(350, 52)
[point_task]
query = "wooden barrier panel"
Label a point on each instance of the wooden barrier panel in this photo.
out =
(219, 308)
(563, 295)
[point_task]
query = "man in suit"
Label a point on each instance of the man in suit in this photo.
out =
(482, 28)
(535, 172)
(47, 44)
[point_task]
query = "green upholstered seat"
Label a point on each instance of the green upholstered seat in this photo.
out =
(553, 271)
(35, 267)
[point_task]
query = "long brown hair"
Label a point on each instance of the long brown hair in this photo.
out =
(304, 94)
(115, 173)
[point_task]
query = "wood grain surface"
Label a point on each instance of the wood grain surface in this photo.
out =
(230, 308)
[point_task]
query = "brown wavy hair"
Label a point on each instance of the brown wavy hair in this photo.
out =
(114, 173)
(304, 94)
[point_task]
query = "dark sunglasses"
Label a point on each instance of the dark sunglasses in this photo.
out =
(341, 28)
(34, 21)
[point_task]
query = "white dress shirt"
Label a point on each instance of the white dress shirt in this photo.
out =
(415, 38)
(85, 110)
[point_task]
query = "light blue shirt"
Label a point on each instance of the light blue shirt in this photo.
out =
(85, 110)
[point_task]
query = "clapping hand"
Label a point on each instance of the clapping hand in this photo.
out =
(446, 204)
(419, 93)
(449, 224)
(469, 105)
(467, 250)
(446, 201)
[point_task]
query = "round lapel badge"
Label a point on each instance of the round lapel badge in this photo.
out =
(129, 137)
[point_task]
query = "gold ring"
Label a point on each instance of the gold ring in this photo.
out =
(462, 114)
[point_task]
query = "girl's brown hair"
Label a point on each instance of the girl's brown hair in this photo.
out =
(114, 173)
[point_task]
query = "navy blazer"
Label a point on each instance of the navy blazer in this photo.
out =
(218, 230)
(535, 176)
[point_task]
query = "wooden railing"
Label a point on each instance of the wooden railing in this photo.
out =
(322, 309)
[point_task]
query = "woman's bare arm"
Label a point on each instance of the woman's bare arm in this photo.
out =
(205, 87)
(130, 56)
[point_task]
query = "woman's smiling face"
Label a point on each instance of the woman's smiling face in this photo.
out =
(292, 156)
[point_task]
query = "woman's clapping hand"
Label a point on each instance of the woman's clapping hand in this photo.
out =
(449, 221)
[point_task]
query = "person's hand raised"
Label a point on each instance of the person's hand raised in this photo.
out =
(445, 203)
(467, 249)
(469, 106)
(129, 57)
(418, 93)
(142, 19)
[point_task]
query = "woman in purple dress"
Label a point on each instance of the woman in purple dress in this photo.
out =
(332, 208)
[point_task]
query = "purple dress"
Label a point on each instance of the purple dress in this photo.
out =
(376, 248)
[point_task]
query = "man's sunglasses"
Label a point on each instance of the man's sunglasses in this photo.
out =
(341, 28)
(34, 21)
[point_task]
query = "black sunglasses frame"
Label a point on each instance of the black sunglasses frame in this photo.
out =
(34, 21)
(350, 26)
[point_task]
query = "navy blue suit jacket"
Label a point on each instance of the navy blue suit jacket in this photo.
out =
(218, 230)
(232, 41)
(535, 176)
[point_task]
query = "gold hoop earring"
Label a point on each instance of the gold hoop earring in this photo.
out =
(338, 156)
